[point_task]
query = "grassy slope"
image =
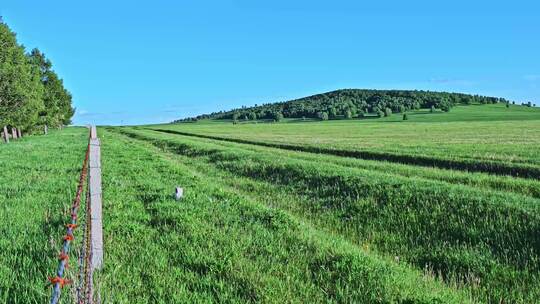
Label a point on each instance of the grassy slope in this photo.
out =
(216, 245)
(396, 215)
(272, 227)
(467, 132)
(37, 183)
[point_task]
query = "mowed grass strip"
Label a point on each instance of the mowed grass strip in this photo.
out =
(486, 241)
(38, 180)
(488, 166)
(525, 186)
(480, 137)
(216, 246)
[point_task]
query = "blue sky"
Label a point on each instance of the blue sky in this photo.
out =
(134, 62)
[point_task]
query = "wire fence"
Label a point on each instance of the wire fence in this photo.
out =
(84, 290)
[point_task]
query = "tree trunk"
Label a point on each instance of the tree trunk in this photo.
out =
(13, 132)
(19, 133)
(6, 135)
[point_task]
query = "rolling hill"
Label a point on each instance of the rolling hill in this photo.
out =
(351, 103)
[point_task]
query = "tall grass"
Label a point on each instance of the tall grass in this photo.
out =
(487, 242)
(259, 224)
(486, 133)
(529, 187)
(217, 246)
(38, 179)
(494, 167)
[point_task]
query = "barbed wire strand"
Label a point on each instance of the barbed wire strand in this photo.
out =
(88, 246)
(83, 252)
(59, 281)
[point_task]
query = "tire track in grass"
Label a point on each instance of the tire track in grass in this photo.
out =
(491, 221)
(418, 160)
(221, 247)
(527, 187)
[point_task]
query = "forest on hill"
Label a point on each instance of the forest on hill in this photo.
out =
(32, 95)
(350, 103)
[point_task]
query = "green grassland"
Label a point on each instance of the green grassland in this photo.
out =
(38, 178)
(491, 134)
(483, 241)
(221, 245)
(264, 219)
(216, 245)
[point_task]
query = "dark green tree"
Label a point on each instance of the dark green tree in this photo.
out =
(445, 106)
(235, 116)
(57, 109)
(323, 115)
(333, 112)
(278, 116)
(21, 91)
(31, 93)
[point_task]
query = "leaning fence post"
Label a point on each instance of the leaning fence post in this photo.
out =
(96, 229)
(6, 135)
(14, 132)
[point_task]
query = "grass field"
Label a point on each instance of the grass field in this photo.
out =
(490, 134)
(264, 219)
(37, 183)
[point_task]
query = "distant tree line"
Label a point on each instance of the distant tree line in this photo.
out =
(31, 93)
(351, 103)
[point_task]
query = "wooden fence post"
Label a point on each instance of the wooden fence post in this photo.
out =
(6, 135)
(14, 132)
(19, 132)
(46, 129)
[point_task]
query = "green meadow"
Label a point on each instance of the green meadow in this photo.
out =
(480, 133)
(441, 208)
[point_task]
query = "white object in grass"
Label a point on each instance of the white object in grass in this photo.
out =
(179, 193)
